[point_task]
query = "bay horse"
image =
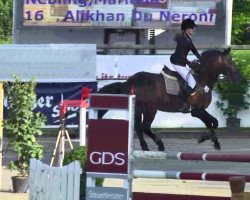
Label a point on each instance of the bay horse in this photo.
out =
(151, 96)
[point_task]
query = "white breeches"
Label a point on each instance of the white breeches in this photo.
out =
(184, 72)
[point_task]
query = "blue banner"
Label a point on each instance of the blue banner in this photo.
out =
(49, 96)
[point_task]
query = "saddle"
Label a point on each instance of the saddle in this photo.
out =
(175, 84)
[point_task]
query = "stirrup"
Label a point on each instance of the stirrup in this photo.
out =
(196, 89)
(193, 93)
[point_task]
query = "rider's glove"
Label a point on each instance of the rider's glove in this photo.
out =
(195, 65)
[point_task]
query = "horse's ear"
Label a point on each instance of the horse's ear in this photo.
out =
(220, 60)
(227, 51)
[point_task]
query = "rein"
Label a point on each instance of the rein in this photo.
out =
(202, 70)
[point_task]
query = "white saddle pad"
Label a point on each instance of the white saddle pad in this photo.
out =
(171, 83)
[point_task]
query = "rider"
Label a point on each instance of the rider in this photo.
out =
(179, 57)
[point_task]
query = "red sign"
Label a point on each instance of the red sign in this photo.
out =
(108, 146)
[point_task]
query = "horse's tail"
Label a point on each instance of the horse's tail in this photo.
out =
(113, 88)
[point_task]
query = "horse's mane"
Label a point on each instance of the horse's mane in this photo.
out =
(210, 55)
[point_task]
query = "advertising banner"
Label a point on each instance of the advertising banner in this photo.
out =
(49, 96)
(102, 156)
(107, 193)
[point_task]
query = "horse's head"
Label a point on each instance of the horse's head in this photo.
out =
(229, 68)
(221, 63)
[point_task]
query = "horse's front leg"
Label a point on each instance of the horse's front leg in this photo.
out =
(214, 139)
(211, 123)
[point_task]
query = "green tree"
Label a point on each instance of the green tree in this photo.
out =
(241, 5)
(5, 19)
(23, 124)
(241, 22)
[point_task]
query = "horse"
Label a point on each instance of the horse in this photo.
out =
(151, 96)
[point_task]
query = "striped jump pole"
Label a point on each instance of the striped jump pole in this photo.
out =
(185, 175)
(156, 196)
(218, 157)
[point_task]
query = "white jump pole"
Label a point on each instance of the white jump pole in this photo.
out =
(229, 14)
(82, 126)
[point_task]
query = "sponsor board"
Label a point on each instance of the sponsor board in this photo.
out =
(103, 157)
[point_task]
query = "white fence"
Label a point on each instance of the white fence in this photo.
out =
(54, 183)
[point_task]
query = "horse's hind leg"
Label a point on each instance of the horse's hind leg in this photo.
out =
(146, 126)
(156, 139)
(138, 130)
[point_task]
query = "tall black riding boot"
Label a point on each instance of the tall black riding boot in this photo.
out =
(185, 105)
(184, 99)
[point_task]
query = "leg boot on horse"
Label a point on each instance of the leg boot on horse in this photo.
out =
(198, 110)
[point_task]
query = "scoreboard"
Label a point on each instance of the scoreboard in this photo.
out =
(119, 13)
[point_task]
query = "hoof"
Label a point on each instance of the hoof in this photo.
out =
(202, 139)
(160, 146)
(217, 146)
(145, 149)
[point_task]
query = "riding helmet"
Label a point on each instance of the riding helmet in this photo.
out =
(187, 23)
